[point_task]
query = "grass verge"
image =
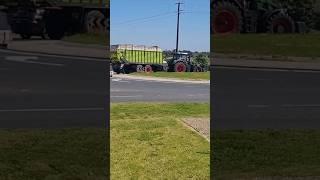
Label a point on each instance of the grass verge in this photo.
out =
(53, 154)
(269, 153)
(84, 38)
(176, 75)
(149, 142)
(299, 45)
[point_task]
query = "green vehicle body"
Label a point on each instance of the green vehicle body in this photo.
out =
(137, 54)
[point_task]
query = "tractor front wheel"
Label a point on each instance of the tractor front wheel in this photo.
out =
(180, 67)
(280, 23)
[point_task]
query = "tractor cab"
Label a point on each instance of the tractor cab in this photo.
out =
(182, 56)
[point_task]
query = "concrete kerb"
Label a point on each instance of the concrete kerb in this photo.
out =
(126, 76)
(60, 48)
(265, 57)
(56, 54)
(262, 62)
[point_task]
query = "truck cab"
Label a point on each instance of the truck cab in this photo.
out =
(5, 30)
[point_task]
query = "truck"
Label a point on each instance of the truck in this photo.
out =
(127, 58)
(56, 18)
(5, 30)
(253, 16)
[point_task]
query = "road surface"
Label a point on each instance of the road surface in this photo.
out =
(39, 91)
(134, 90)
(52, 92)
(250, 99)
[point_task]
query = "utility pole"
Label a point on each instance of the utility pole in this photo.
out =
(178, 23)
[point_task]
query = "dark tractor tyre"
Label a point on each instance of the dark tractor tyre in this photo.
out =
(227, 18)
(25, 36)
(280, 23)
(148, 69)
(165, 68)
(180, 67)
(195, 69)
(55, 25)
(55, 35)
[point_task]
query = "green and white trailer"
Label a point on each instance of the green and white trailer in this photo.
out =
(137, 58)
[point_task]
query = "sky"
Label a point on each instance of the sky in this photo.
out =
(153, 23)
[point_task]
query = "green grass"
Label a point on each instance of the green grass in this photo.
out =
(185, 76)
(149, 142)
(300, 45)
(53, 154)
(270, 153)
(84, 38)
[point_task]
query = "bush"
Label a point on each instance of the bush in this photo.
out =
(202, 60)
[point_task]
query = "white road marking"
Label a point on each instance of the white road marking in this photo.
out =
(28, 59)
(274, 69)
(301, 105)
(119, 80)
(126, 96)
(259, 79)
(258, 106)
(51, 109)
(286, 106)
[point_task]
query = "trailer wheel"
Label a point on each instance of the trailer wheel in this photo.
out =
(139, 68)
(148, 69)
(95, 22)
(180, 67)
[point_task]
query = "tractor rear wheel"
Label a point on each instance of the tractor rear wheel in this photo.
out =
(180, 67)
(280, 23)
(227, 18)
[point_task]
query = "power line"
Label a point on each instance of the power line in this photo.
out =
(145, 18)
(144, 21)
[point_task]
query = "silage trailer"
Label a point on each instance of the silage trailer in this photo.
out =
(137, 58)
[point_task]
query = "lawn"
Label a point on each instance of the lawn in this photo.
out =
(259, 154)
(148, 141)
(300, 45)
(97, 39)
(176, 75)
(53, 154)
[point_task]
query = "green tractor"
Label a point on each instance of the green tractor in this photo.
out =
(253, 16)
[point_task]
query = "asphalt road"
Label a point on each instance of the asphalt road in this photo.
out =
(39, 91)
(251, 99)
(133, 90)
(52, 92)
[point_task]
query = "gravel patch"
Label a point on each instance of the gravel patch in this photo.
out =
(200, 125)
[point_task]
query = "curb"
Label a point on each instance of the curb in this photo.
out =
(266, 62)
(56, 54)
(266, 68)
(265, 57)
(163, 79)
